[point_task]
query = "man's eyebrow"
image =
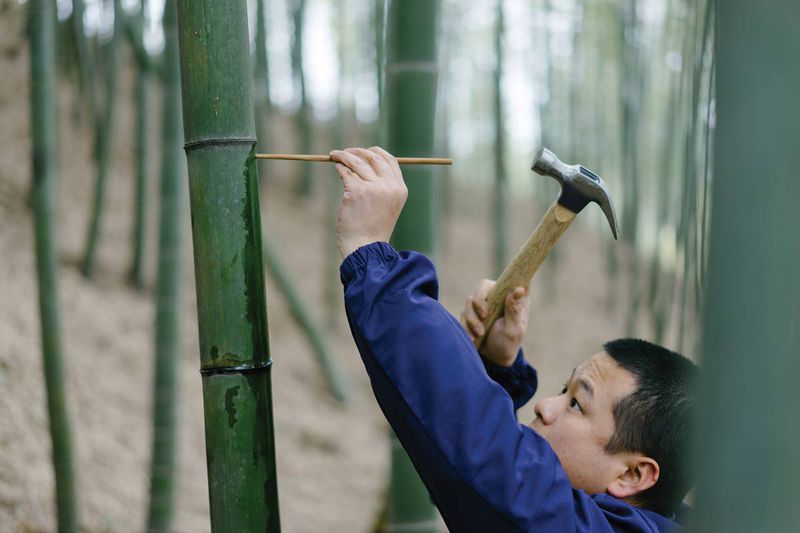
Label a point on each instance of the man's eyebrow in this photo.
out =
(585, 385)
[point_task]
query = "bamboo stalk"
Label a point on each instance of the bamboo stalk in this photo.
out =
(334, 378)
(303, 117)
(327, 159)
(168, 290)
(234, 350)
(747, 421)
(44, 132)
(500, 189)
(408, 118)
(103, 143)
(142, 92)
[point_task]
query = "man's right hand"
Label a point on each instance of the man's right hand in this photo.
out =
(374, 194)
(505, 338)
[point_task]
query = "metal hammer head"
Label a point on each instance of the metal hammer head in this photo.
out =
(579, 185)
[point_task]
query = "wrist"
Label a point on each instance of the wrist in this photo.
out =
(351, 245)
(505, 359)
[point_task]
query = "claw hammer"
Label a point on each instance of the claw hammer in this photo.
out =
(579, 186)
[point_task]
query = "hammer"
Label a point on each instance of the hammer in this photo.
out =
(579, 186)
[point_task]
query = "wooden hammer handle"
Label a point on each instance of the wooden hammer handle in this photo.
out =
(525, 264)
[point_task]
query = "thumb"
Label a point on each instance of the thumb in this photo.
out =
(515, 303)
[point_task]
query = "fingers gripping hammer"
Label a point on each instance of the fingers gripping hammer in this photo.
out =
(579, 186)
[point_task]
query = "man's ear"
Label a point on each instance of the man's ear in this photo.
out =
(641, 474)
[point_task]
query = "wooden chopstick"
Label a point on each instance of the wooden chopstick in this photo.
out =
(327, 159)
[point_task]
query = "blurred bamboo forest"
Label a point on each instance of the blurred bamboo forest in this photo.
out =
(624, 87)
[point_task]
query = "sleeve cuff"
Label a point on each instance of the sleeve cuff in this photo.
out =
(519, 380)
(379, 252)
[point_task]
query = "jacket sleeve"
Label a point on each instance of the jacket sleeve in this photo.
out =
(485, 471)
(519, 380)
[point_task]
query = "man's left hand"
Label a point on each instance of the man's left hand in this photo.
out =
(505, 338)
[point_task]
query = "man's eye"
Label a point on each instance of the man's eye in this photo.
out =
(564, 390)
(573, 404)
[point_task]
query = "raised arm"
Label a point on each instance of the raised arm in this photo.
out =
(485, 471)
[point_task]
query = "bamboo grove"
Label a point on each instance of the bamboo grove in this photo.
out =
(628, 86)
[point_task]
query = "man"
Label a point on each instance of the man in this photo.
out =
(608, 454)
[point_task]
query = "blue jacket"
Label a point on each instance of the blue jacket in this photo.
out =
(485, 471)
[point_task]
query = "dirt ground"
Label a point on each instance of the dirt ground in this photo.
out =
(332, 461)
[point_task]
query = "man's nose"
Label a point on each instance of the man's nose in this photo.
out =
(547, 409)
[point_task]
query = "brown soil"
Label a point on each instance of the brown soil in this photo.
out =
(332, 461)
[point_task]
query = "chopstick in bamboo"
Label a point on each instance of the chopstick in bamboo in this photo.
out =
(327, 159)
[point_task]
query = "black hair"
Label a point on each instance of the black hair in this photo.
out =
(656, 419)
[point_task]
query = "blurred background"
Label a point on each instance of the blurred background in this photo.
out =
(623, 87)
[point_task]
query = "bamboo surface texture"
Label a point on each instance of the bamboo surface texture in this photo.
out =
(527, 261)
(327, 159)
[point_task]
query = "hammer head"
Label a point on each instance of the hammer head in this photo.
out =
(579, 185)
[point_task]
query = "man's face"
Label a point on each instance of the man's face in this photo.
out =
(579, 423)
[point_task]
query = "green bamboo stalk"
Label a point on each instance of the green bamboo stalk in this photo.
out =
(85, 61)
(261, 99)
(104, 139)
(748, 428)
(142, 92)
(168, 289)
(379, 16)
(661, 292)
(235, 359)
(703, 181)
(343, 124)
(306, 184)
(499, 228)
(331, 282)
(632, 84)
(410, 106)
(334, 378)
(691, 174)
(547, 135)
(44, 126)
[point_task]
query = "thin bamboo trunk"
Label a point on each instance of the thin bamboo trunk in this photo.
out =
(689, 226)
(410, 105)
(306, 182)
(235, 359)
(168, 289)
(85, 60)
(142, 91)
(632, 84)
(44, 121)
(546, 111)
(341, 128)
(140, 199)
(261, 99)
(379, 15)
(661, 294)
(500, 239)
(337, 384)
(749, 432)
(104, 144)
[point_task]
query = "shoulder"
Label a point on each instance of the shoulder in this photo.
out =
(623, 516)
